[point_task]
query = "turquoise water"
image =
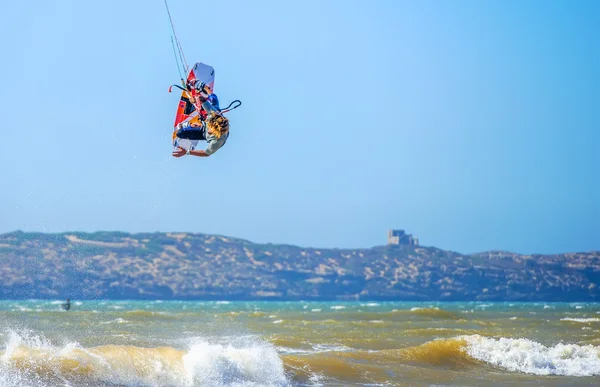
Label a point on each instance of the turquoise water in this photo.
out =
(176, 343)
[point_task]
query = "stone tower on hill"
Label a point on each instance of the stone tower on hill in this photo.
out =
(399, 237)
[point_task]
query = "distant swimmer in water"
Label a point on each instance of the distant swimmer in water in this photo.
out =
(67, 305)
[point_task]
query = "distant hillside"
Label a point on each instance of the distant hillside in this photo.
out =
(198, 266)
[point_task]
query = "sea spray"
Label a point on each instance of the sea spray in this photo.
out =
(253, 364)
(527, 356)
(28, 359)
(35, 358)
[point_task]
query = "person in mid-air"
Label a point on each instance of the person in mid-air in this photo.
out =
(210, 124)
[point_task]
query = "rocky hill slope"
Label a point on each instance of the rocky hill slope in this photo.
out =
(199, 266)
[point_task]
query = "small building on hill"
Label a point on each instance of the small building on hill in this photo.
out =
(399, 237)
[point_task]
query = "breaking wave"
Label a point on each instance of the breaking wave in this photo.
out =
(581, 320)
(470, 351)
(517, 355)
(34, 361)
(527, 356)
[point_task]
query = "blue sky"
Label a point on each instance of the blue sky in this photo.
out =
(473, 125)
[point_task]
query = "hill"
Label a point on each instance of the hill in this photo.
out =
(198, 266)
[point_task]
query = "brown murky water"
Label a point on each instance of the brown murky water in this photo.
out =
(138, 343)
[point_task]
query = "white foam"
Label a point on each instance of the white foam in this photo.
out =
(330, 348)
(25, 339)
(338, 307)
(118, 320)
(249, 364)
(581, 320)
(39, 351)
(290, 351)
(527, 356)
(217, 365)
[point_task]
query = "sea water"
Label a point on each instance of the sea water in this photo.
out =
(195, 343)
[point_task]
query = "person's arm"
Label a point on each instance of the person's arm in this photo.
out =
(182, 152)
(203, 96)
(209, 107)
(199, 153)
(202, 101)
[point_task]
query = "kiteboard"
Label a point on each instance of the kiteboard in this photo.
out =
(187, 111)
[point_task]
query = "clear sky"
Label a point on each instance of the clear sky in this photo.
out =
(474, 125)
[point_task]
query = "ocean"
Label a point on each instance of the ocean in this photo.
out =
(194, 343)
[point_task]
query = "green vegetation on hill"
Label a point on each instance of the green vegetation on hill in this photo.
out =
(199, 266)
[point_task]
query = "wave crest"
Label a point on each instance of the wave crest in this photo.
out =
(527, 356)
(435, 313)
(517, 355)
(246, 364)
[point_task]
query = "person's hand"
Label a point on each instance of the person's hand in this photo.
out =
(206, 89)
(199, 86)
(203, 89)
(179, 152)
(199, 98)
(190, 84)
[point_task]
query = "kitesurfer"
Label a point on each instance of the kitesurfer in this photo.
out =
(67, 305)
(213, 128)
